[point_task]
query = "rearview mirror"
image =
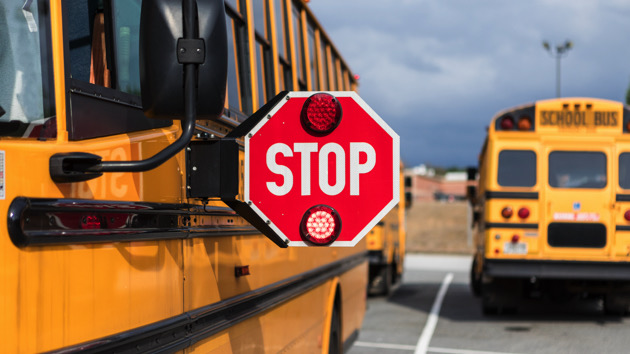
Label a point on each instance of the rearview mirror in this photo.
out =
(161, 53)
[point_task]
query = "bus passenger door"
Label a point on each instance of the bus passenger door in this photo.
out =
(578, 200)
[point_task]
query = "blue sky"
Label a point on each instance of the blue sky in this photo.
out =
(438, 70)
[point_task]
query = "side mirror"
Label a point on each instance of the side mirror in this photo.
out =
(183, 57)
(164, 51)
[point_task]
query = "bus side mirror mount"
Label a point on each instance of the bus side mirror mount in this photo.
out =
(183, 56)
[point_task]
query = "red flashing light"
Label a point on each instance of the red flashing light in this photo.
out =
(320, 225)
(91, 222)
(523, 213)
(515, 238)
(321, 114)
(507, 123)
(626, 215)
(507, 212)
(357, 77)
(524, 123)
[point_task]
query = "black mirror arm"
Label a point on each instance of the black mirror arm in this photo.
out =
(75, 167)
(188, 128)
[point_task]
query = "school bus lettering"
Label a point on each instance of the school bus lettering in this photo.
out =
(569, 119)
(606, 118)
(563, 118)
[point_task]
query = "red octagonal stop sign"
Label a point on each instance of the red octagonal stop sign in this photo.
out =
(343, 179)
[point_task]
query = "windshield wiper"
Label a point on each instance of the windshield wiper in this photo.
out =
(2, 112)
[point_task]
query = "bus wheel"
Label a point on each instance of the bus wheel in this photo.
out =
(386, 285)
(475, 279)
(334, 344)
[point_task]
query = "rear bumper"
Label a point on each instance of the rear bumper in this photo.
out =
(509, 268)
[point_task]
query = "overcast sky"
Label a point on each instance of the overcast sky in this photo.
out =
(438, 70)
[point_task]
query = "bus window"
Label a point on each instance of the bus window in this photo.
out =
(26, 93)
(624, 170)
(126, 28)
(517, 168)
(577, 169)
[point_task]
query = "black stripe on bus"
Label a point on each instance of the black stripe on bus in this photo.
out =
(182, 331)
(511, 195)
(622, 228)
(38, 222)
(623, 197)
(505, 225)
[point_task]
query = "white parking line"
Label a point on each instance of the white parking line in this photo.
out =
(412, 348)
(429, 327)
(385, 346)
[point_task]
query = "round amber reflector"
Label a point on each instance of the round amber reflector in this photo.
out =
(524, 123)
(320, 225)
(320, 114)
(507, 212)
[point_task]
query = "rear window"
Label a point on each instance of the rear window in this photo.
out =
(577, 169)
(517, 168)
(624, 170)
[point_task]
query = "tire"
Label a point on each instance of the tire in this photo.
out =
(386, 285)
(334, 342)
(475, 279)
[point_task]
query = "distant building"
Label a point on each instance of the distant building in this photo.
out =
(422, 184)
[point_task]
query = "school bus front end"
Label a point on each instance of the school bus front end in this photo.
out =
(551, 219)
(100, 260)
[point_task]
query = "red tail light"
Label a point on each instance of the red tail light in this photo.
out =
(507, 123)
(321, 114)
(507, 212)
(515, 238)
(524, 123)
(523, 213)
(91, 222)
(320, 225)
(626, 215)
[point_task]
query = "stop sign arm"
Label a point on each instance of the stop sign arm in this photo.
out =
(246, 126)
(241, 207)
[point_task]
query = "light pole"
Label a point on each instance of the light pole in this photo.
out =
(558, 52)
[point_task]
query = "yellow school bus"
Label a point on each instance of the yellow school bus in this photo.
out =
(386, 248)
(106, 244)
(553, 204)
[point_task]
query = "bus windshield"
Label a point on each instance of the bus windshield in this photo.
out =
(23, 96)
(577, 169)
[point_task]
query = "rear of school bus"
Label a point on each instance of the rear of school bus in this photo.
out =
(552, 205)
(128, 262)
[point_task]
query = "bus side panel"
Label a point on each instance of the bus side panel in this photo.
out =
(295, 326)
(354, 300)
(55, 296)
